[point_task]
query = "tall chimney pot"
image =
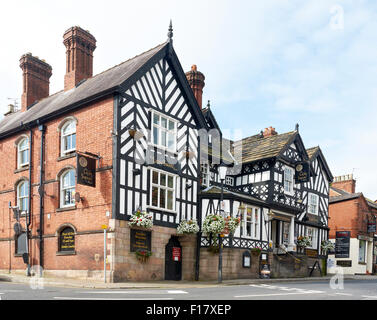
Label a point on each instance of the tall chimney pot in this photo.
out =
(196, 80)
(268, 132)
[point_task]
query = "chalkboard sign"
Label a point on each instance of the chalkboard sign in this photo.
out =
(344, 263)
(342, 244)
(141, 240)
(67, 240)
(86, 170)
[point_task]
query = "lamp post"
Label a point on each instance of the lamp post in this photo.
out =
(222, 169)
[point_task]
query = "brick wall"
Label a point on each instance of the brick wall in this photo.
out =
(93, 134)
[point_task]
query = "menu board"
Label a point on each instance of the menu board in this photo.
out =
(342, 244)
(67, 240)
(141, 240)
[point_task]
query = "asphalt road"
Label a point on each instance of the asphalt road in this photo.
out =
(306, 290)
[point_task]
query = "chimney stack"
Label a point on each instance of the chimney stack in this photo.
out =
(80, 45)
(346, 183)
(36, 75)
(196, 80)
(268, 132)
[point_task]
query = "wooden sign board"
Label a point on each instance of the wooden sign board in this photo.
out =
(140, 240)
(86, 171)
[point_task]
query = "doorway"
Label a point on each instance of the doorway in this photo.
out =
(173, 260)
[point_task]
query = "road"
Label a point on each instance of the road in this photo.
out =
(305, 290)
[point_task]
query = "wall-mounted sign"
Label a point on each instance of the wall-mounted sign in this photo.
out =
(86, 170)
(344, 263)
(302, 172)
(176, 252)
(141, 240)
(371, 226)
(342, 244)
(246, 259)
(67, 240)
(311, 253)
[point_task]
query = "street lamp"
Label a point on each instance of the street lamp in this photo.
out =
(222, 170)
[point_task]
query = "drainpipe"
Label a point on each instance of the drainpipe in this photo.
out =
(42, 129)
(28, 215)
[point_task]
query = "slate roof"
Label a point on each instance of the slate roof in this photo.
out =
(311, 152)
(258, 148)
(100, 83)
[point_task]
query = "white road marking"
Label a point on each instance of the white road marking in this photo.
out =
(266, 286)
(138, 292)
(89, 298)
(370, 297)
(343, 294)
(269, 294)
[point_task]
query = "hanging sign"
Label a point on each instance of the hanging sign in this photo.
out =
(302, 172)
(86, 170)
(176, 254)
(371, 226)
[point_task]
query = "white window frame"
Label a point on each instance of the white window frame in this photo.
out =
(312, 234)
(253, 222)
(291, 180)
(20, 150)
(166, 188)
(229, 181)
(64, 188)
(21, 197)
(363, 260)
(313, 203)
(160, 129)
(205, 174)
(65, 135)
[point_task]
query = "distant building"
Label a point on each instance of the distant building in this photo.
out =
(352, 227)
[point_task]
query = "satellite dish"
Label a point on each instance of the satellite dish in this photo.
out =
(17, 228)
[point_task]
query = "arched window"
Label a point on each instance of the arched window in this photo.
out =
(68, 137)
(23, 153)
(21, 243)
(66, 239)
(67, 188)
(23, 196)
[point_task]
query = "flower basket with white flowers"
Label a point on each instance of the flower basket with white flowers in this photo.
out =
(231, 224)
(327, 245)
(213, 224)
(303, 242)
(188, 227)
(141, 219)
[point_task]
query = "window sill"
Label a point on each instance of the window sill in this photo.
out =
(363, 263)
(18, 255)
(70, 208)
(69, 155)
(22, 169)
(66, 253)
(161, 209)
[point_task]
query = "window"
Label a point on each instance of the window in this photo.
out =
(67, 188)
(229, 181)
(23, 196)
(163, 190)
(286, 226)
(313, 203)
(250, 222)
(21, 244)
(362, 247)
(67, 240)
(205, 174)
(68, 137)
(288, 180)
(164, 132)
(312, 234)
(23, 153)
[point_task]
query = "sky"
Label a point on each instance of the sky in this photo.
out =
(266, 63)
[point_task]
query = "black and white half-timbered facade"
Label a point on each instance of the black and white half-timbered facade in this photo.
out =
(273, 208)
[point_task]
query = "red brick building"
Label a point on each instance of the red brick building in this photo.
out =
(352, 218)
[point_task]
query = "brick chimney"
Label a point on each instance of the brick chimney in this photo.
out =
(196, 80)
(80, 45)
(36, 75)
(346, 183)
(268, 132)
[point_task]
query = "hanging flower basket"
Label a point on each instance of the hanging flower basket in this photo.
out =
(303, 242)
(143, 255)
(141, 219)
(327, 245)
(188, 227)
(231, 224)
(213, 224)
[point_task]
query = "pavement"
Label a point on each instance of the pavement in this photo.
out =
(97, 284)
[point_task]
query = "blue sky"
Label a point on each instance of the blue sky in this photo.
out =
(267, 63)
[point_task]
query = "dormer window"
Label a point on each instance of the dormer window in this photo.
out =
(68, 137)
(288, 180)
(23, 153)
